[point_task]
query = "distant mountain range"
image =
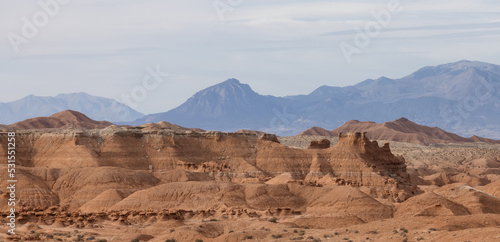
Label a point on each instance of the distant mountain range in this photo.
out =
(461, 97)
(97, 108)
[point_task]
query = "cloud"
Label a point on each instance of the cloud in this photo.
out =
(454, 27)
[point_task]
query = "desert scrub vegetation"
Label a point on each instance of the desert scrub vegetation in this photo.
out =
(277, 236)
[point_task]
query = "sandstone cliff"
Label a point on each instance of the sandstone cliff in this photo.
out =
(75, 167)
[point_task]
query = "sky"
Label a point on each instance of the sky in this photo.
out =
(125, 48)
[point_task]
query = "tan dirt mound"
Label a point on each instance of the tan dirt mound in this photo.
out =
(210, 195)
(79, 185)
(430, 204)
(105, 200)
(476, 201)
(342, 200)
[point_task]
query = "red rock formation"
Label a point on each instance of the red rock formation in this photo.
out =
(64, 119)
(245, 131)
(322, 144)
(118, 167)
(357, 161)
(401, 130)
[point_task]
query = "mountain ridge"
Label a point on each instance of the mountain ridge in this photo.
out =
(227, 100)
(459, 97)
(64, 119)
(404, 130)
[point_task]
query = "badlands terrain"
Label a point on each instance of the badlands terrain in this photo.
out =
(79, 179)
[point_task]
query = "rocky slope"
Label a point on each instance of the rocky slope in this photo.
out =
(400, 130)
(213, 107)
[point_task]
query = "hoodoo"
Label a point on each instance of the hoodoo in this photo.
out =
(322, 144)
(357, 161)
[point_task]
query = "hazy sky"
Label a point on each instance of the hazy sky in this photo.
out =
(278, 47)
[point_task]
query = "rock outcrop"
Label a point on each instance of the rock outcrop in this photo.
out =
(161, 172)
(401, 130)
(322, 144)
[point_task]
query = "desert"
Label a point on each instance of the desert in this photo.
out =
(163, 182)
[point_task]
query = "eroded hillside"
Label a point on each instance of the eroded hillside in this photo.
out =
(156, 177)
